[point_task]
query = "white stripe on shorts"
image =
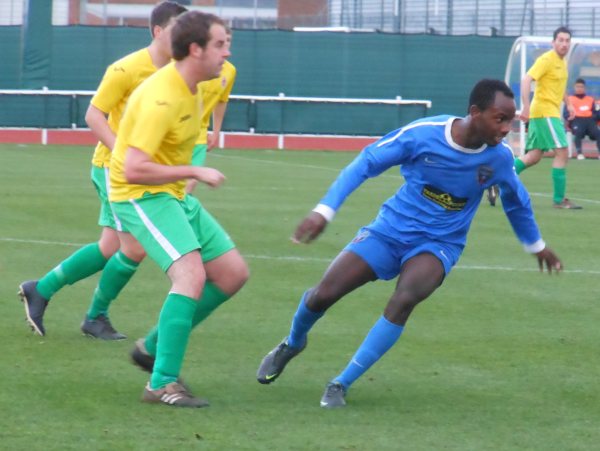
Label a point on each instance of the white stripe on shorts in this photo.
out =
(159, 237)
(557, 144)
(107, 187)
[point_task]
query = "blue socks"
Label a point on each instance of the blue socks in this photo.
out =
(379, 340)
(303, 320)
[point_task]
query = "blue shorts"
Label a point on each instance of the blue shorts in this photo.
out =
(386, 256)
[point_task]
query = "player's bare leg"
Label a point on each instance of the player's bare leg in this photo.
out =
(419, 277)
(346, 273)
(225, 276)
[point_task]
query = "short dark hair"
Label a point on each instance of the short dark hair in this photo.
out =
(163, 13)
(561, 30)
(580, 80)
(484, 93)
(190, 27)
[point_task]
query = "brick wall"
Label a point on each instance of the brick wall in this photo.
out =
(305, 13)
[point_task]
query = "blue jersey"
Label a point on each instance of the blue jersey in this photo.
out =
(444, 183)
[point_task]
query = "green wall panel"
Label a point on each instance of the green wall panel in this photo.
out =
(351, 65)
(10, 49)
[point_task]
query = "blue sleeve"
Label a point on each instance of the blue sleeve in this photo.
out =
(391, 150)
(517, 206)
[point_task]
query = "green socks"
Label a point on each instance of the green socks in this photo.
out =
(212, 297)
(174, 327)
(519, 165)
(115, 276)
(559, 180)
(83, 263)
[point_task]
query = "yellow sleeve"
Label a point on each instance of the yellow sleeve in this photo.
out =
(230, 81)
(152, 119)
(114, 86)
(539, 68)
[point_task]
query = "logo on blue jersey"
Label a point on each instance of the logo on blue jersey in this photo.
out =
(484, 173)
(446, 200)
(361, 236)
(444, 255)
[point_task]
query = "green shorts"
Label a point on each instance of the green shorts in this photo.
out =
(199, 155)
(545, 133)
(169, 228)
(101, 181)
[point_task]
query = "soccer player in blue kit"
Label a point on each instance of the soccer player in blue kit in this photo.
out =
(420, 232)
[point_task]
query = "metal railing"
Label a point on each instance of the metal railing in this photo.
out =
(444, 17)
(464, 17)
(49, 109)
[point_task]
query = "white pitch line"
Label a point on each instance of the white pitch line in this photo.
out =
(317, 259)
(48, 243)
(295, 165)
(578, 199)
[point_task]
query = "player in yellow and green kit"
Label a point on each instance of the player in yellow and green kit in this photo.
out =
(150, 165)
(103, 116)
(546, 131)
(215, 95)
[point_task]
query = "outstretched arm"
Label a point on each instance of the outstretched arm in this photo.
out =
(517, 206)
(391, 150)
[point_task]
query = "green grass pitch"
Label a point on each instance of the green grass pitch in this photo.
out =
(499, 358)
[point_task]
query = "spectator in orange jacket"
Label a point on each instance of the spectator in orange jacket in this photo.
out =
(586, 117)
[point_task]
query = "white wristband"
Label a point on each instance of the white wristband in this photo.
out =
(536, 247)
(327, 212)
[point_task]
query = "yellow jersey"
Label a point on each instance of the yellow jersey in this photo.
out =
(119, 81)
(213, 92)
(162, 119)
(550, 74)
